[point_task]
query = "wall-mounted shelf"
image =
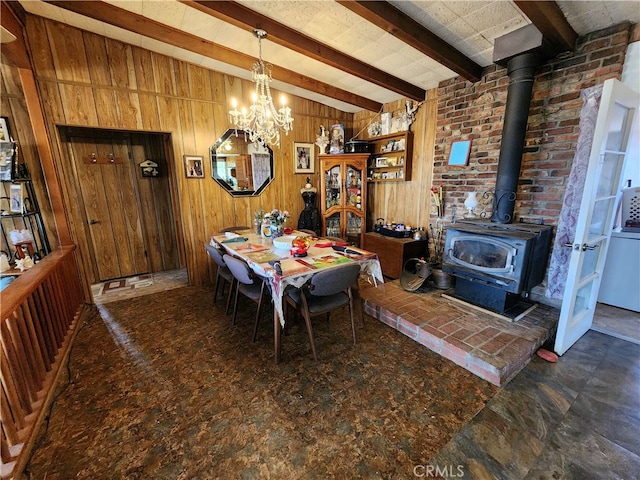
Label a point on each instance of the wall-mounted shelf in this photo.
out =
(391, 158)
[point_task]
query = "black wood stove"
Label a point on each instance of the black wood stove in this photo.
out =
(497, 265)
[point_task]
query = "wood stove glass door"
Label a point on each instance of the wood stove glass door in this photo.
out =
(618, 109)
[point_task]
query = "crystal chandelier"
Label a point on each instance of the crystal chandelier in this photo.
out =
(263, 121)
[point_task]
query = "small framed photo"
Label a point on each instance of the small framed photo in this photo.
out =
(381, 162)
(303, 157)
(7, 161)
(459, 155)
(194, 166)
(5, 133)
(15, 198)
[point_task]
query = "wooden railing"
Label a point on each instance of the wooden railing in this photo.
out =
(40, 311)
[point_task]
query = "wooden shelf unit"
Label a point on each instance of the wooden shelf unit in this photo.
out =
(391, 158)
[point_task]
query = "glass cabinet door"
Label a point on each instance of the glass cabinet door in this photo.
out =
(353, 187)
(354, 228)
(333, 188)
(334, 227)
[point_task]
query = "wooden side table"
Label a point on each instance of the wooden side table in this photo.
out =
(394, 252)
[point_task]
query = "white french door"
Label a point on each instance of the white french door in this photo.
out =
(618, 109)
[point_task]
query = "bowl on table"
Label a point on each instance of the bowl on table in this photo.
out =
(284, 242)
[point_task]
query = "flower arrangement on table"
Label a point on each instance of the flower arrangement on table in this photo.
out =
(257, 220)
(278, 219)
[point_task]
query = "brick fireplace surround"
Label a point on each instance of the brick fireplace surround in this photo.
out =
(490, 347)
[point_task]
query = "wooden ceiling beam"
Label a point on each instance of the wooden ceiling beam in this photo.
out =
(549, 19)
(389, 18)
(112, 15)
(242, 17)
(11, 18)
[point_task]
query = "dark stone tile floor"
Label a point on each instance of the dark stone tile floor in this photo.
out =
(575, 419)
(163, 387)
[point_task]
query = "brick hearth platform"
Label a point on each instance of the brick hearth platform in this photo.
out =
(488, 346)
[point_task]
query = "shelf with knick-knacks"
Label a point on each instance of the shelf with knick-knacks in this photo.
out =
(391, 157)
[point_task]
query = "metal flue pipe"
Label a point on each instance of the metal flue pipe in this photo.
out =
(520, 69)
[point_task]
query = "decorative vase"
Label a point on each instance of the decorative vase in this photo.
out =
(265, 229)
(277, 230)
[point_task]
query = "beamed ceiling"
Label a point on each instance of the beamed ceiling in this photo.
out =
(352, 55)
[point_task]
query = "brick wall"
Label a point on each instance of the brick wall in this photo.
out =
(475, 111)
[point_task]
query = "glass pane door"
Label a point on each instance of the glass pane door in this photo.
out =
(353, 186)
(333, 226)
(618, 107)
(354, 228)
(333, 187)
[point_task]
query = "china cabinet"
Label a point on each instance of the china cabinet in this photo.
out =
(391, 157)
(343, 196)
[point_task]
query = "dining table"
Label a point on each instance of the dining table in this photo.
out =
(275, 263)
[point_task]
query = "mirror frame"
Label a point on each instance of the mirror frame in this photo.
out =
(221, 181)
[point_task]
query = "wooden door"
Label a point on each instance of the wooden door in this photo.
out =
(108, 190)
(244, 174)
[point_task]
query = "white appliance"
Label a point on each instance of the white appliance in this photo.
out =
(620, 285)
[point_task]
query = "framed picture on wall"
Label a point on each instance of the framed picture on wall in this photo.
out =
(5, 133)
(303, 157)
(194, 166)
(459, 155)
(7, 161)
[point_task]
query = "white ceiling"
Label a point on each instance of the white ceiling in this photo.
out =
(469, 26)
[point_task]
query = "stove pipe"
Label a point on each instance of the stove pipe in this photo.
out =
(520, 69)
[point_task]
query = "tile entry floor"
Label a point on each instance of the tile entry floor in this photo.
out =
(160, 282)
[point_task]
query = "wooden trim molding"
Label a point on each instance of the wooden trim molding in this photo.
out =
(14, 52)
(43, 146)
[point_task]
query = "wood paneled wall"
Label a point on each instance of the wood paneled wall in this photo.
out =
(89, 80)
(405, 202)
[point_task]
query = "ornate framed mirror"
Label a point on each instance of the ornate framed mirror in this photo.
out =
(240, 166)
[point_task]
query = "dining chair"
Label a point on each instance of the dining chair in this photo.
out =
(326, 291)
(247, 283)
(234, 229)
(223, 274)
